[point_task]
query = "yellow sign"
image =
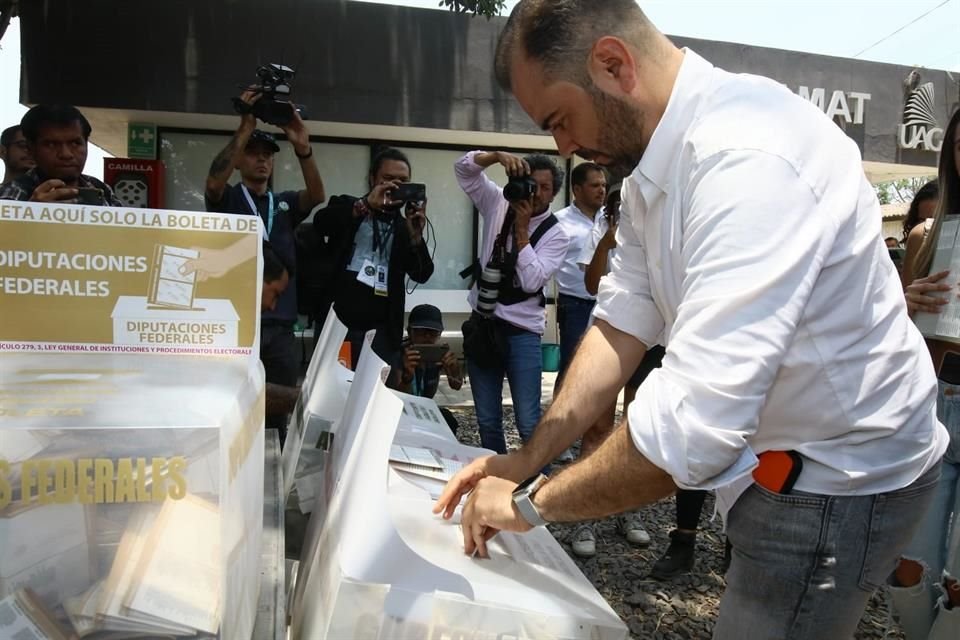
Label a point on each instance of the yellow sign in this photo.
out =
(93, 279)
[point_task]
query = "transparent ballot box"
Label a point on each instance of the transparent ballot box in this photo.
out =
(131, 491)
(377, 564)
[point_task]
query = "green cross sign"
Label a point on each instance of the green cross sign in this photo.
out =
(142, 141)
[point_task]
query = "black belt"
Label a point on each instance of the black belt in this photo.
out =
(577, 298)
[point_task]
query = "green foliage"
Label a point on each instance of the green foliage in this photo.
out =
(900, 190)
(488, 8)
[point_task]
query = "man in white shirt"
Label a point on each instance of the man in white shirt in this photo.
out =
(574, 302)
(750, 247)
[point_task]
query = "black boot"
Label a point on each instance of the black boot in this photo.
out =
(679, 557)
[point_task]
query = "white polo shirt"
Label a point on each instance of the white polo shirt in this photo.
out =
(578, 226)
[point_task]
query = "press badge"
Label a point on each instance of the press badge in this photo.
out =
(367, 274)
(380, 287)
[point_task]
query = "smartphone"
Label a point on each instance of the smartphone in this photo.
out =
(431, 353)
(89, 195)
(778, 470)
(409, 192)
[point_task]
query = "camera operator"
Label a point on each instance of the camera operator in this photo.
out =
(251, 151)
(57, 137)
(375, 242)
(523, 247)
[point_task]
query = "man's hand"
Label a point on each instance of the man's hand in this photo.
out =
(379, 196)
(918, 293)
(54, 190)
(511, 467)
(416, 220)
(411, 360)
(297, 134)
(524, 211)
(248, 122)
(609, 240)
(450, 365)
(515, 165)
(490, 509)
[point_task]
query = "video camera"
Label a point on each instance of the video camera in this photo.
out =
(274, 106)
(520, 188)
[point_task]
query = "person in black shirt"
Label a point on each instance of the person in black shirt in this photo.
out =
(375, 242)
(15, 153)
(251, 151)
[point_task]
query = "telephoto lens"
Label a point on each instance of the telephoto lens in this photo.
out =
(488, 289)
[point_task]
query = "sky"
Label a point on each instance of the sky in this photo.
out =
(918, 32)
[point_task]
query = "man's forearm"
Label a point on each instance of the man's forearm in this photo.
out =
(485, 159)
(595, 270)
(613, 479)
(604, 361)
(315, 193)
(223, 165)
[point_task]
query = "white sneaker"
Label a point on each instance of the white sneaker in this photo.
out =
(630, 525)
(566, 456)
(583, 542)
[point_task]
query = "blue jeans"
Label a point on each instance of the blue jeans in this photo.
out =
(804, 565)
(573, 316)
(936, 543)
(523, 371)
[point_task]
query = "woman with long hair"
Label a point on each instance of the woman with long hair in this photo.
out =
(926, 592)
(922, 207)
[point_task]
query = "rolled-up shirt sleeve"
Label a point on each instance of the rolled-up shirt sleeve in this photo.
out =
(754, 242)
(535, 267)
(483, 191)
(624, 300)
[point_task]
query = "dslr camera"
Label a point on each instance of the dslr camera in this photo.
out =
(520, 188)
(274, 106)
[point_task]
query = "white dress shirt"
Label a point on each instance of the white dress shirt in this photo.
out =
(578, 227)
(599, 229)
(750, 246)
(535, 266)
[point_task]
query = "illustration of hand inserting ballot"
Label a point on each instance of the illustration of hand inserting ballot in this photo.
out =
(216, 263)
(169, 285)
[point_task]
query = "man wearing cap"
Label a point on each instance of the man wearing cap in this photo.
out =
(413, 374)
(251, 151)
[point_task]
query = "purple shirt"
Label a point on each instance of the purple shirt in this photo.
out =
(535, 266)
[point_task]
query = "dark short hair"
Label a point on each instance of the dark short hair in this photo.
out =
(273, 264)
(8, 135)
(582, 171)
(540, 162)
(388, 153)
(560, 34)
(59, 115)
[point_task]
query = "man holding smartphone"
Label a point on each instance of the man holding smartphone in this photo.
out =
(15, 153)
(57, 137)
(418, 371)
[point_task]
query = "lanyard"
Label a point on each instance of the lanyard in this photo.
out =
(380, 245)
(270, 211)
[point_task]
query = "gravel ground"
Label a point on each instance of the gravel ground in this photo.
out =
(682, 609)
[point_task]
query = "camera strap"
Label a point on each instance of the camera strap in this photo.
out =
(271, 212)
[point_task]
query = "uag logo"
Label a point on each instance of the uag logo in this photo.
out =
(919, 129)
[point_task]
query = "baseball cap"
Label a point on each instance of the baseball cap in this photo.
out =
(425, 316)
(264, 138)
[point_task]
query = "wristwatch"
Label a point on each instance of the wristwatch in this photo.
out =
(523, 498)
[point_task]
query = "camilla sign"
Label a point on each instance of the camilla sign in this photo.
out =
(920, 129)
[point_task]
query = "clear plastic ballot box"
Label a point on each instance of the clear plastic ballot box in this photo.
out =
(380, 565)
(131, 490)
(131, 421)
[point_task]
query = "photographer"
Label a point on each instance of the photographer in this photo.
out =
(251, 151)
(523, 247)
(57, 137)
(374, 243)
(418, 371)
